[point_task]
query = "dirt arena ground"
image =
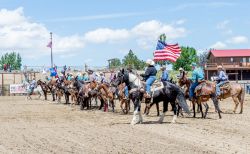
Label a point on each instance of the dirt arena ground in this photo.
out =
(44, 127)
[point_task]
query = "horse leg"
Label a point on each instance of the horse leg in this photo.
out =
(81, 104)
(175, 112)
(241, 99)
(157, 108)
(236, 102)
(165, 108)
(137, 118)
(200, 106)
(216, 104)
(193, 102)
(207, 107)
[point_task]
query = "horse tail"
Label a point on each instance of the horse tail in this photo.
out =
(182, 102)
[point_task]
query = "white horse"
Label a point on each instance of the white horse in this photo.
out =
(38, 90)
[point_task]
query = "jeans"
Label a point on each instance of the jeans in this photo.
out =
(192, 88)
(126, 91)
(218, 87)
(149, 83)
(248, 89)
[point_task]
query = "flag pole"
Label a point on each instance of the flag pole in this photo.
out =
(51, 53)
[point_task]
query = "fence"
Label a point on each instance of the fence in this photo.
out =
(15, 77)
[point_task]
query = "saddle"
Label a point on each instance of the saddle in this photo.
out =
(157, 85)
(204, 88)
(225, 87)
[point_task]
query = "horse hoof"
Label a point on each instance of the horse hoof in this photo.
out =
(240, 112)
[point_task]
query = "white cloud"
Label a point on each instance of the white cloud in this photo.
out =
(238, 40)
(30, 38)
(102, 35)
(224, 27)
(153, 29)
(19, 33)
(180, 22)
(218, 45)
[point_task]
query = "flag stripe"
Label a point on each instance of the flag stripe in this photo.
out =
(170, 52)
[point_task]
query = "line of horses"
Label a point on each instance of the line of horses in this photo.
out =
(84, 93)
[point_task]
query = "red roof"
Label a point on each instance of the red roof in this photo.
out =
(231, 53)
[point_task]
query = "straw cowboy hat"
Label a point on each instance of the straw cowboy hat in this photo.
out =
(219, 67)
(181, 69)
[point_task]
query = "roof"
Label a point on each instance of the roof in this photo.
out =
(231, 53)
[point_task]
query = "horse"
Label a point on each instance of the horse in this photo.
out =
(172, 94)
(136, 95)
(37, 90)
(203, 92)
(44, 87)
(107, 95)
(234, 90)
(123, 100)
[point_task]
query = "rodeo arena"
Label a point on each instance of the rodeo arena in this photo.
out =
(82, 109)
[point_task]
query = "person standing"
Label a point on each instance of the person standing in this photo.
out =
(164, 75)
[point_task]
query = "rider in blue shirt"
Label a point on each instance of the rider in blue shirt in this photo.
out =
(164, 75)
(197, 76)
(222, 78)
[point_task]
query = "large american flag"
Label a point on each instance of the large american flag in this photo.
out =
(169, 52)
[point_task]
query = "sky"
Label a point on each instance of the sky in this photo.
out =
(91, 32)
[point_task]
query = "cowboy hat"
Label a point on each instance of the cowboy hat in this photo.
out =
(181, 69)
(219, 67)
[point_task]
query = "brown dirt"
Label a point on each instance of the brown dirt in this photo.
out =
(44, 127)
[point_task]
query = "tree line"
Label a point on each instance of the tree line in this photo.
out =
(12, 60)
(188, 55)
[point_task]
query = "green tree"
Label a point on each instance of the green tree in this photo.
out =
(14, 59)
(132, 60)
(188, 55)
(114, 63)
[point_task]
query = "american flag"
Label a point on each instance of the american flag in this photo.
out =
(49, 44)
(169, 52)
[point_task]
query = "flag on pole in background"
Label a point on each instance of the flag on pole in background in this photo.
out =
(169, 52)
(49, 44)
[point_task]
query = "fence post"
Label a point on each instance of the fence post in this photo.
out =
(2, 85)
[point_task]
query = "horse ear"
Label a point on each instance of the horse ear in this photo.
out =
(122, 71)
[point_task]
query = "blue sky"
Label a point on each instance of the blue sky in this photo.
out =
(93, 31)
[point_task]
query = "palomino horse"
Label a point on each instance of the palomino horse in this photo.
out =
(234, 90)
(204, 91)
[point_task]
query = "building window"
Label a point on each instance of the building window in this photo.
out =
(232, 59)
(244, 60)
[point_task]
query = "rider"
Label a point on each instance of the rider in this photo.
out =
(197, 76)
(85, 76)
(149, 76)
(103, 78)
(33, 85)
(222, 78)
(181, 70)
(164, 75)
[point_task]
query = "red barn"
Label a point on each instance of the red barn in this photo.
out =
(236, 62)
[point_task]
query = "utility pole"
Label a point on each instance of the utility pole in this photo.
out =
(51, 53)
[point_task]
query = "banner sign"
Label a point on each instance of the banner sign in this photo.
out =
(17, 89)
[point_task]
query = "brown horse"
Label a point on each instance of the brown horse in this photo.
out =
(107, 95)
(122, 99)
(204, 91)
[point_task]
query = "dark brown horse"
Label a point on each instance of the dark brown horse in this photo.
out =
(44, 87)
(204, 91)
